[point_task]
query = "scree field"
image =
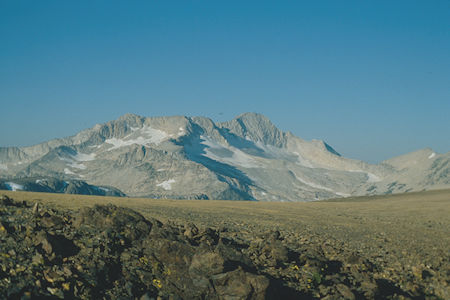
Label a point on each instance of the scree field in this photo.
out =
(394, 246)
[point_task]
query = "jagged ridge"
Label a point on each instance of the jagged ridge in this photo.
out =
(247, 158)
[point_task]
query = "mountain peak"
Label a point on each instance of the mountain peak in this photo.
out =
(252, 120)
(129, 116)
(256, 127)
(252, 116)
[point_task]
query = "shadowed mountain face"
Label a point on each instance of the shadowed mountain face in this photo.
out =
(52, 185)
(246, 158)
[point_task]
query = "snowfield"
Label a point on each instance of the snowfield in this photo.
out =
(148, 137)
(14, 186)
(167, 185)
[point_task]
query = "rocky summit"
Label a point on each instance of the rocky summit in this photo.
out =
(179, 157)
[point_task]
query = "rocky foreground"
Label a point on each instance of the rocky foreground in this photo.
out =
(110, 252)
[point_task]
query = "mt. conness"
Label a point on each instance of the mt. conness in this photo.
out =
(247, 158)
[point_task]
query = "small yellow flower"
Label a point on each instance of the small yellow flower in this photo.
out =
(157, 283)
(143, 260)
(66, 286)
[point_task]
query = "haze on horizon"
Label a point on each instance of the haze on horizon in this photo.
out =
(370, 79)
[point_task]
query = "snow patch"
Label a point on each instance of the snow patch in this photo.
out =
(314, 185)
(74, 160)
(72, 163)
(275, 152)
(160, 170)
(118, 143)
(237, 157)
(39, 181)
(167, 185)
(155, 136)
(181, 131)
(99, 188)
(78, 166)
(342, 194)
(372, 177)
(302, 161)
(68, 172)
(150, 136)
(432, 155)
(84, 156)
(14, 186)
(320, 187)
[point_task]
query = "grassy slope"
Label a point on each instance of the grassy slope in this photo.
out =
(412, 228)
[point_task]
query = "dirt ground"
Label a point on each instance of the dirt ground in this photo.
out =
(394, 246)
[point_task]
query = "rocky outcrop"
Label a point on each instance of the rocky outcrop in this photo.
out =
(109, 252)
(112, 252)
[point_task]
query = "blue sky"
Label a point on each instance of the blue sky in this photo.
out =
(371, 78)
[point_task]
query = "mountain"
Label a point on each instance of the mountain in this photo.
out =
(52, 185)
(247, 158)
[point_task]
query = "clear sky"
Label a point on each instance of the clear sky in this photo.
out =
(371, 78)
